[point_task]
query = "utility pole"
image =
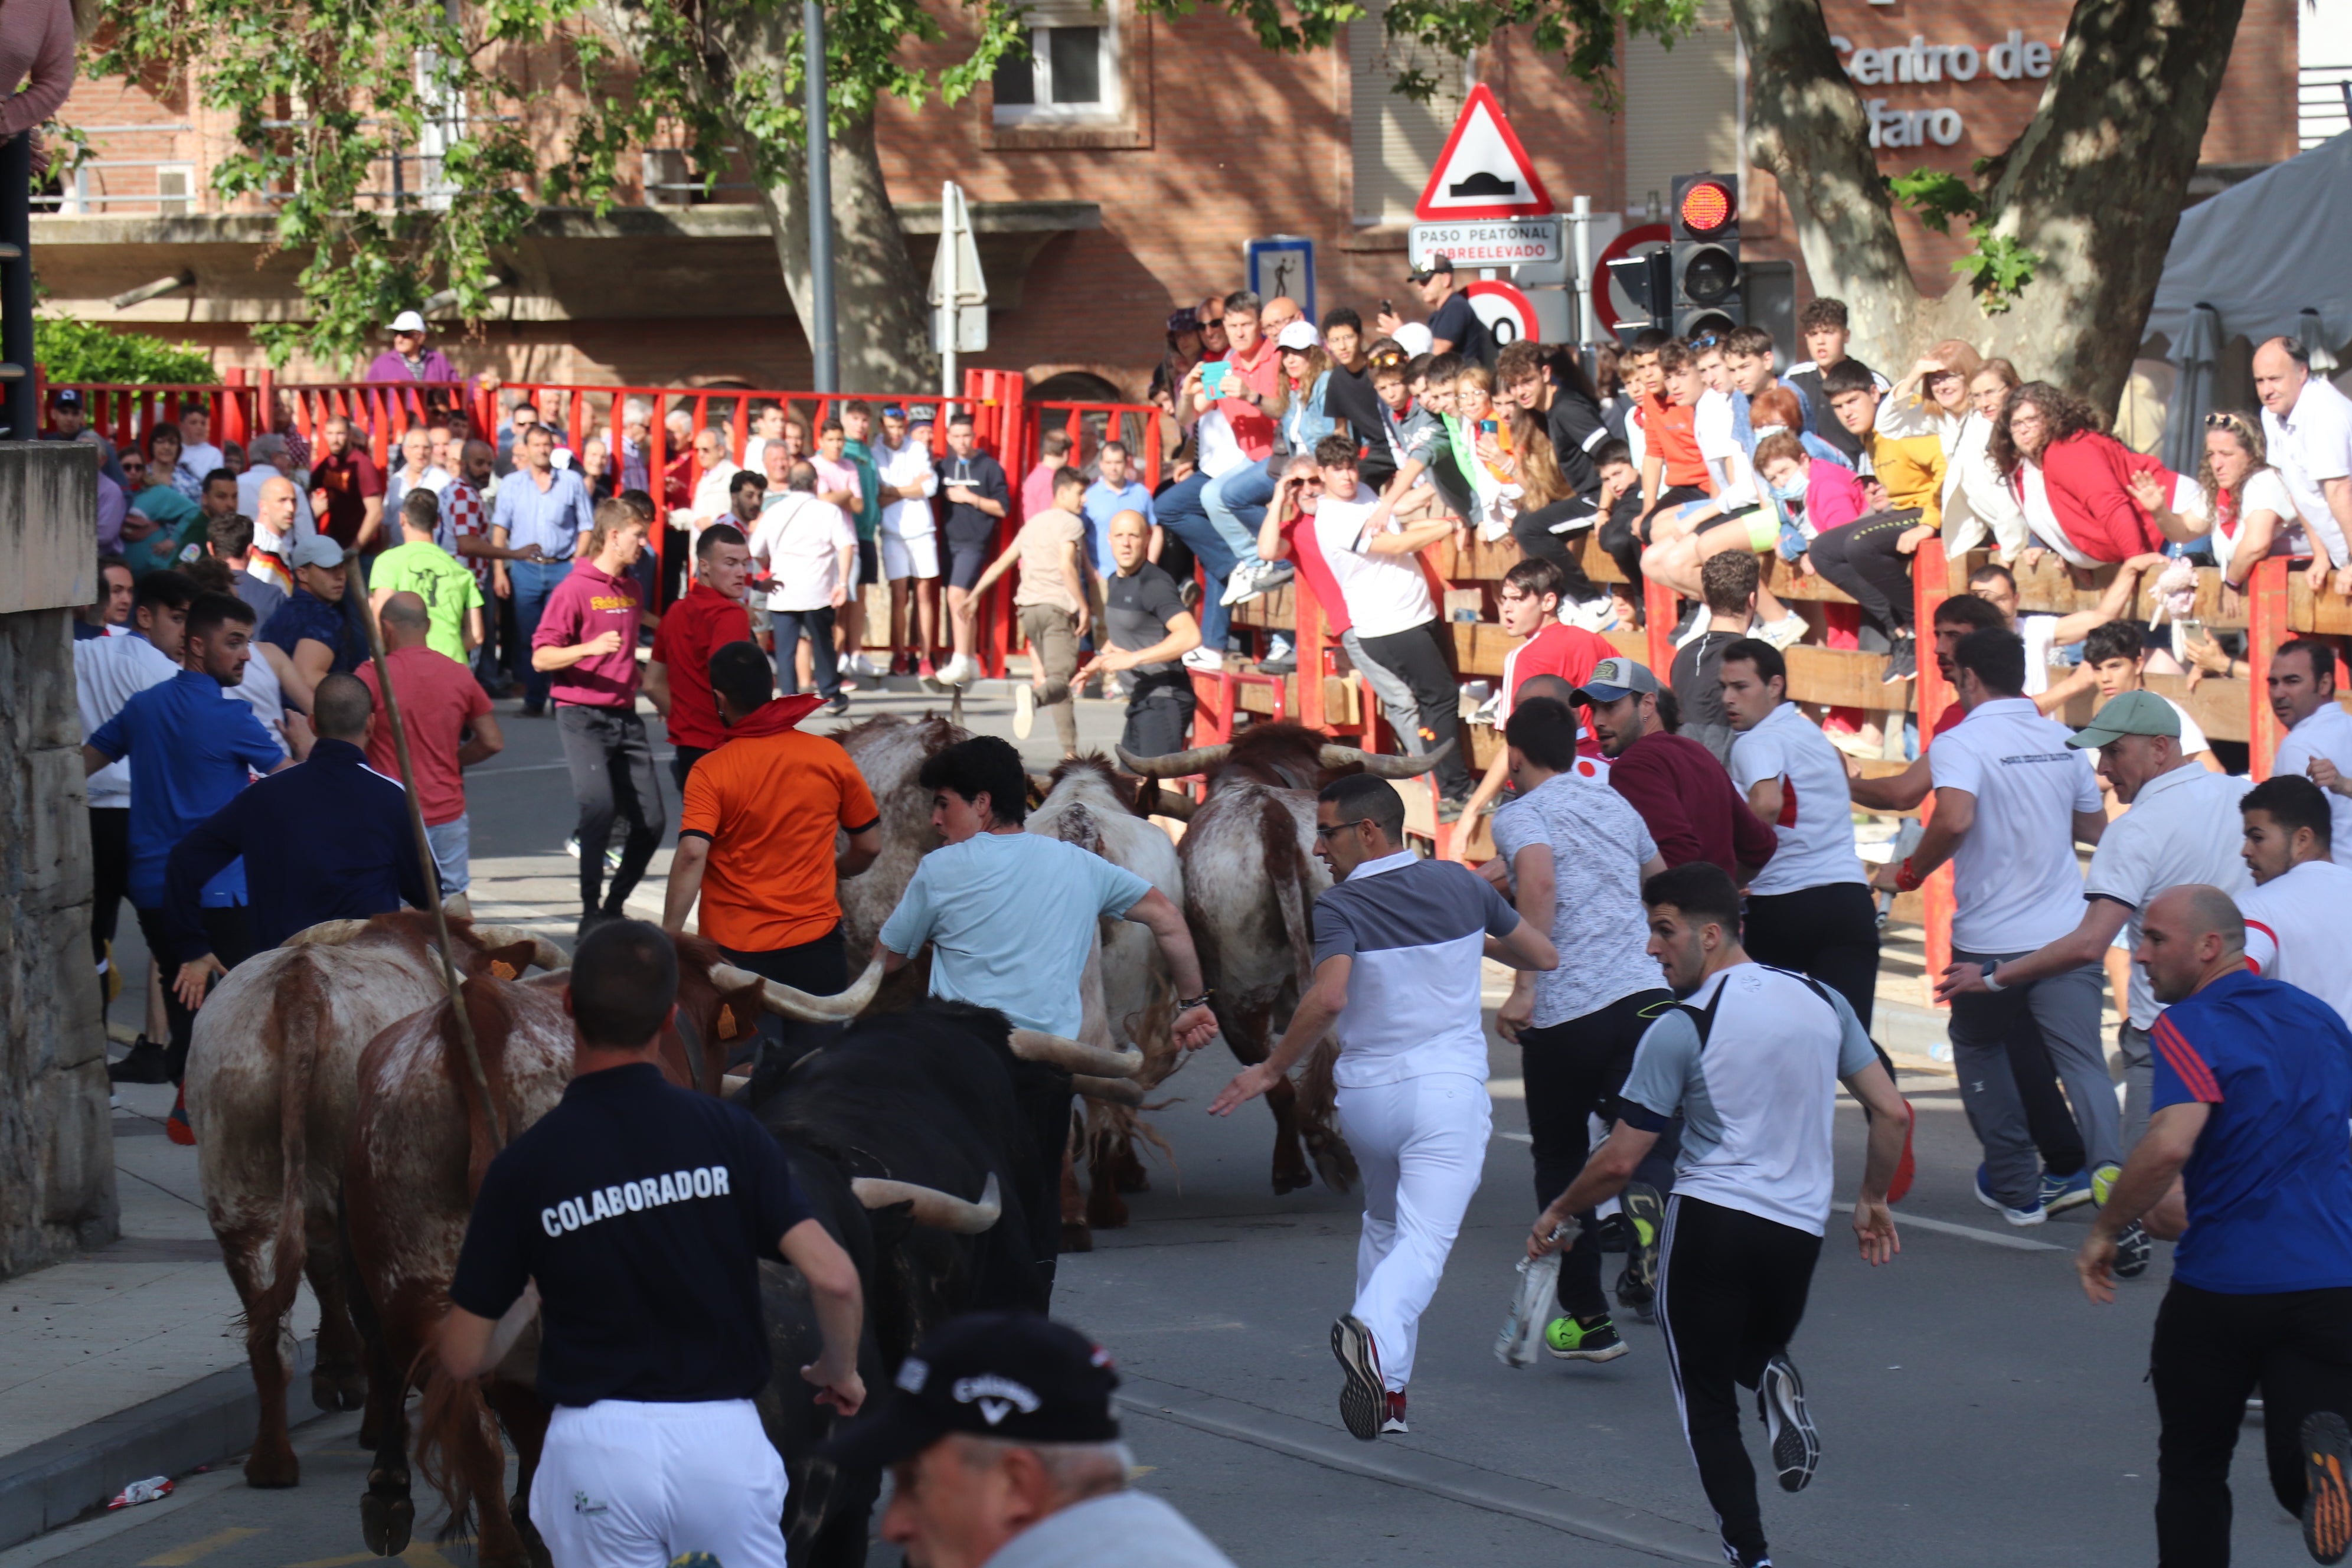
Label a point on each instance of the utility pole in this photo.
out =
(16, 286)
(823, 345)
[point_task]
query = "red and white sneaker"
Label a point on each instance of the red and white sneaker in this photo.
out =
(1395, 1419)
(1363, 1398)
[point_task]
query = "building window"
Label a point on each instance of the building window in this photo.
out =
(1683, 111)
(1393, 139)
(1070, 72)
(175, 189)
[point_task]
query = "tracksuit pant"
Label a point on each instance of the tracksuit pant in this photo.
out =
(2139, 1078)
(1572, 1071)
(627, 1484)
(1731, 1291)
(2211, 1352)
(611, 766)
(1861, 558)
(1415, 657)
(2064, 1009)
(1421, 1145)
(1395, 694)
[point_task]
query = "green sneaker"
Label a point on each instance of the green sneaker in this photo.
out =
(2102, 1181)
(1570, 1339)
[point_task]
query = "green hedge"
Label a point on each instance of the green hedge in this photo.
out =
(76, 351)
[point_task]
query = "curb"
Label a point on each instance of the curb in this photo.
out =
(60, 1479)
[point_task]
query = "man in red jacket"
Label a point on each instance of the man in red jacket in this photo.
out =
(710, 615)
(1684, 795)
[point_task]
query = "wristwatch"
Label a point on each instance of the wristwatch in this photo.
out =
(1185, 1005)
(1991, 984)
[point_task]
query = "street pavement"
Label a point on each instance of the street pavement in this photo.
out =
(1974, 1407)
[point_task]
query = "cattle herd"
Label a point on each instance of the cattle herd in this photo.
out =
(341, 1135)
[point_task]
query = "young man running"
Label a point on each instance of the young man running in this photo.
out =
(1752, 1059)
(1530, 606)
(1397, 946)
(2298, 902)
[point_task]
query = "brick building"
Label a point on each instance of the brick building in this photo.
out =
(1119, 171)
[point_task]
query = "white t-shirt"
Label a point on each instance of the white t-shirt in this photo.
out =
(2264, 491)
(1719, 449)
(2292, 930)
(261, 692)
(1815, 826)
(2184, 827)
(195, 462)
(909, 465)
(1385, 595)
(1220, 454)
(2312, 445)
(2039, 632)
(800, 538)
(109, 671)
(1759, 1095)
(2327, 731)
(2015, 878)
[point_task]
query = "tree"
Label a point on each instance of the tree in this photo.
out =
(68, 350)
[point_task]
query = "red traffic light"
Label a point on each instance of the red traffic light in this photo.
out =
(1707, 206)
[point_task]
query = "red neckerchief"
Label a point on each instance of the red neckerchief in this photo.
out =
(775, 716)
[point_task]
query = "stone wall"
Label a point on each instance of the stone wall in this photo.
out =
(57, 1137)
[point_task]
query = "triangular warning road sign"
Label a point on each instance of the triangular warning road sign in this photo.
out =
(1484, 172)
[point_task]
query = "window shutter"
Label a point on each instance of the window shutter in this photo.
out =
(1394, 140)
(1682, 106)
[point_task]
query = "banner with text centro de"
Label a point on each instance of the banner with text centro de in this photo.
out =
(1484, 172)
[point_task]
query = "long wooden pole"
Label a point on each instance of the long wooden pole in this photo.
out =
(432, 869)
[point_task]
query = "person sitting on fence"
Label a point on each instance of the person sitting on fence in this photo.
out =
(2255, 516)
(1870, 558)
(2085, 494)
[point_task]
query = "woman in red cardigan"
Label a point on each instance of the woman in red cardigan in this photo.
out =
(2050, 446)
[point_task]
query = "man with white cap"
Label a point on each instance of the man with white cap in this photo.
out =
(408, 359)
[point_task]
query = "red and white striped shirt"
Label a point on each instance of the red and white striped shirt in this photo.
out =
(463, 516)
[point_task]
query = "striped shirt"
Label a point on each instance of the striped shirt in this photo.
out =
(1416, 931)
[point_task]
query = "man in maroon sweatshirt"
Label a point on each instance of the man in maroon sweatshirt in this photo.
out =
(1687, 801)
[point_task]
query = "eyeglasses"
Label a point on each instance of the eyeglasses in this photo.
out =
(1322, 832)
(1705, 340)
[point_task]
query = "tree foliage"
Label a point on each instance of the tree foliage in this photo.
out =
(71, 351)
(1999, 267)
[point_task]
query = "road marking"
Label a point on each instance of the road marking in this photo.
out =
(196, 1551)
(1946, 1227)
(1517, 1136)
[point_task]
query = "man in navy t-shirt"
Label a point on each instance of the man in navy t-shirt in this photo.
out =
(641, 1213)
(2246, 1160)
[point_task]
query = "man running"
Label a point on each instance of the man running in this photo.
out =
(2246, 1160)
(1752, 1059)
(2295, 911)
(1681, 791)
(2012, 800)
(1397, 946)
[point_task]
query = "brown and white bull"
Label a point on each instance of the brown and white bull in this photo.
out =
(1251, 879)
(271, 1084)
(890, 752)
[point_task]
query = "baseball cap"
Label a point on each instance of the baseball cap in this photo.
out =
(318, 549)
(1013, 1376)
(1297, 335)
(66, 397)
(1414, 338)
(1612, 678)
(1430, 269)
(2131, 713)
(407, 321)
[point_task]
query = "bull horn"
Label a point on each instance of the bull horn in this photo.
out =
(1036, 1046)
(940, 1211)
(1168, 802)
(787, 1002)
(1380, 765)
(326, 934)
(1118, 1090)
(1175, 765)
(544, 954)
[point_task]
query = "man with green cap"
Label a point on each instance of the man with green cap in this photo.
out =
(2178, 831)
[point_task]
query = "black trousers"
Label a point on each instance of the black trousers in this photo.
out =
(1830, 933)
(110, 875)
(821, 968)
(2211, 1352)
(1533, 530)
(1416, 658)
(790, 625)
(1042, 1092)
(1620, 535)
(681, 763)
(1731, 1291)
(612, 764)
(230, 944)
(1159, 718)
(1861, 558)
(1572, 1071)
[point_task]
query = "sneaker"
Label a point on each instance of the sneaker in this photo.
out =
(923, 670)
(2015, 1216)
(2102, 1181)
(1572, 1338)
(1787, 632)
(1905, 1168)
(959, 670)
(1282, 663)
(1025, 711)
(1363, 1398)
(1205, 659)
(838, 707)
(860, 664)
(176, 1126)
(1902, 662)
(2060, 1194)
(1449, 807)
(1644, 1212)
(1489, 712)
(1614, 1232)
(1244, 582)
(2327, 1499)
(1393, 1421)
(1635, 1297)
(1796, 1446)
(571, 846)
(147, 1063)
(2134, 1251)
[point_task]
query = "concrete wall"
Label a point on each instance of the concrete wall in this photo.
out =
(57, 1137)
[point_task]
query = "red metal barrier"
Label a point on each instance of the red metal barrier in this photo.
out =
(1930, 586)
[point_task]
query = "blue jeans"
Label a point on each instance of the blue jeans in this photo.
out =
(1236, 502)
(1179, 511)
(534, 584)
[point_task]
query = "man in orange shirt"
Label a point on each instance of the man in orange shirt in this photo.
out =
(1672, 471)
(755, 834)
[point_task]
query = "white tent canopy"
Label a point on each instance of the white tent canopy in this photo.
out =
(2265, 250)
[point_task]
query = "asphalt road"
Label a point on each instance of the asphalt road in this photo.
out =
(1974, 1408)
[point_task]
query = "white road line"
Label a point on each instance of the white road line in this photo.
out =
(1946, 1227)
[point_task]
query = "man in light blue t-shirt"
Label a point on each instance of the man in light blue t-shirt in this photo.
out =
(1010, 917)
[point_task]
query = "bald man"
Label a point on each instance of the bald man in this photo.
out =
(1151, 632)
(2246, 1161)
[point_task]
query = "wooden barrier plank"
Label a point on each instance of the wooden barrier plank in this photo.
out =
(2325, 614)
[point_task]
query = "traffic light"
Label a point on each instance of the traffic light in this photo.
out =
(1705, 229)
(1648, 281)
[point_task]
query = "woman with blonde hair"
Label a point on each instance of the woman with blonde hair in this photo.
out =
(1933, 400)
(2253, 515)
(1975, 498)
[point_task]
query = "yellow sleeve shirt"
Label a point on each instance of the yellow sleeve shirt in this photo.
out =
(1912, 469)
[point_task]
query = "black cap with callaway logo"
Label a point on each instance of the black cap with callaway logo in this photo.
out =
(1013, 1376)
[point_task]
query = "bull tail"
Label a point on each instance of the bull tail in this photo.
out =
(297, 1029)
(1319, 1094)
(455, 1438)
(1285, 865)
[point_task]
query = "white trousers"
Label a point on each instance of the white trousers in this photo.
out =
(1422, 1147)
(629, 1485)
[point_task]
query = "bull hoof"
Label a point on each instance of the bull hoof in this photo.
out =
(339, 1390)
(1076, 1238)
(1131, 1179)
(272, 1472)
(385, 1521)
(1334, 1161)
(1291, 1181)
(1105, 1210)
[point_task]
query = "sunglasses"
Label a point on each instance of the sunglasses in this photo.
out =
(1323, 832)
(1707, 341)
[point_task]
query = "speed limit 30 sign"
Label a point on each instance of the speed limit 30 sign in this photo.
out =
(1508, 314)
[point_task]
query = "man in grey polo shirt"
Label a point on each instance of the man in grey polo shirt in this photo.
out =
(1397, 944)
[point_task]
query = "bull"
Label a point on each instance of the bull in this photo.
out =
(1251, 879)
(890, 752)
(271, 1087)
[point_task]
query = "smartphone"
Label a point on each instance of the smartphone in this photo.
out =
(1487, 427)
(1387, 308)
(1213, 375)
